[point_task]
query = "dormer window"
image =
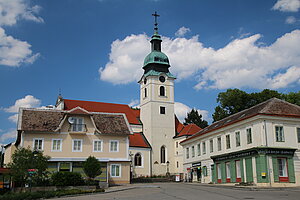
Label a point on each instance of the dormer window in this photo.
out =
(77, 124)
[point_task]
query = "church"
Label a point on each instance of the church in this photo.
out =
(129, 142)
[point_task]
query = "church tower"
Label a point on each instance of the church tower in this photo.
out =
(157, 107)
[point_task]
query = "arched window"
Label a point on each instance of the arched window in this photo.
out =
(163, 154)
(162, 91)
(138, 159)
(145, 92)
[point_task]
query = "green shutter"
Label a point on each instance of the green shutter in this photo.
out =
(275, 169)
(223, 172)
(291, 170)
(249, 170)
(213, 173)
(261, 167)
(232, 171)
(242, 169)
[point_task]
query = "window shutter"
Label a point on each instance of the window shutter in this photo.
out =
(275, 169)
(291, 170)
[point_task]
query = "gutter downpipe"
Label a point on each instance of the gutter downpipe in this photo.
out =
(268, 164)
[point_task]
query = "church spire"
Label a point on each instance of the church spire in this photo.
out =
(155, 39)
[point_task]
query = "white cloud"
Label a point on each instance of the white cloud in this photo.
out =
(287, 5)
(28, 101)
(135, 103)
(290, 20)
(13, 118)
(11, 134)
(14, 52)
(13, 10)
(181, 111)
(182, 31)
(243, 62)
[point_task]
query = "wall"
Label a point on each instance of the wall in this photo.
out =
(143, 170)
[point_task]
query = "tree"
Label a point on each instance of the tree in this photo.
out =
(194, 117)
(235, 100)
(24, 159)
(91, 167)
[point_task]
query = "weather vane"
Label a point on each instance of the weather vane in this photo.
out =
(155, 21)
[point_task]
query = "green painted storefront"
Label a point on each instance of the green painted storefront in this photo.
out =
(227, 164)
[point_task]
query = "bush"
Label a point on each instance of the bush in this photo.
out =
(67, 179)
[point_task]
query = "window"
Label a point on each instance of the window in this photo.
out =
(198, 149)
(64, 167)
(77, 124)
(298, 134)
(56, 144)
(176, 144)
(187, 153)
(219, 144)
(77, 145)
(219, 171)
(204, 169)
(237, 139)
(38, 144)
(145, 92)
(279, 134)
(162, 110)
(193, 151)
(138, 160)
(177, 164)
(227, 141)
(114, 146)
(249, 136)
(115, 170)
(163, 154)
(282, 167)
(97, 145)
(161, 91)
(211, 145)
(203, 148)
(238, 170)
(227, 164)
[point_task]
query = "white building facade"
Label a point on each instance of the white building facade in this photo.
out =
(258, 146)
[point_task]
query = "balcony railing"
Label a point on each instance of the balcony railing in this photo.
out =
(77, 128)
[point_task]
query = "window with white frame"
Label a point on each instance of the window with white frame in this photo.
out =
(237, 139)
(198, 149)
(211, 145)
(227, 141)
(77, 145)
(56, 144)
(227, 164)
(298, 134)
(115, 170)
(114, 146)
(38, 144)
(77, 124)
(282, 167)
(193, 151)
(97, 146)
(187, 151)
(249, 135)
(219, 144)
(204, 148)
(279, 133)
(138, 160)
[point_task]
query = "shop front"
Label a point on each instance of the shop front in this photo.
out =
(196, 169)
(262, 166)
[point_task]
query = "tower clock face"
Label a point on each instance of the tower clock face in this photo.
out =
(162, 79)
(145, 81)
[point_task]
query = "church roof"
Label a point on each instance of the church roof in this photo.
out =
(156, 73)
(271, 107)
(92, 106)
(138, 140)
(189, 130)
(156, 57)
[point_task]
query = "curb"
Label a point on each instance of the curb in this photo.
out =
(132, 187)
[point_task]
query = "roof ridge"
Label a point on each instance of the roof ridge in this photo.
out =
(98, 102)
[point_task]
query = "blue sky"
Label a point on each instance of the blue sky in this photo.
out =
(94, 50)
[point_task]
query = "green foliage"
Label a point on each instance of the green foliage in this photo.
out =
(24, 159)
(235, 100)
(91, 167)
(194, 117)
(67, 179)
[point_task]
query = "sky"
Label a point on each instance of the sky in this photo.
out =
(94, 50)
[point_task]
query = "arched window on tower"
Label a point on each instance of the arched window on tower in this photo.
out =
(163, 154)
(138, 159)
(145, 92)
(162, 91)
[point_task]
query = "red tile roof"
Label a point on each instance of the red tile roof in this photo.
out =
(138, 140)
(189, 129)
(92, 106)
(178, 125)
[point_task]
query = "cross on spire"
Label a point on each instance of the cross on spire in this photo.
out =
(155, 21)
